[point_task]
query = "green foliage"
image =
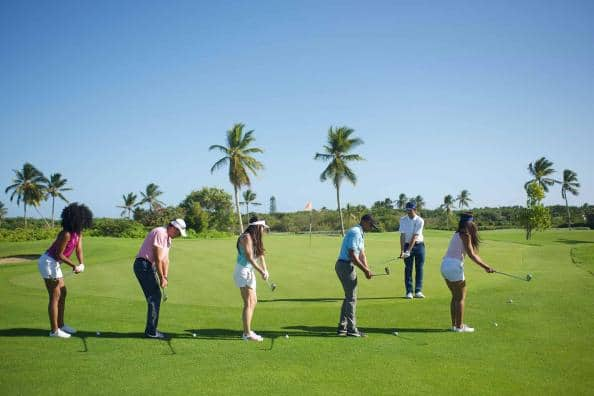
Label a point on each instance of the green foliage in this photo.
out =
(120, 228)
(535, 216)
(158, 216)
(216, 209)
(28, 234)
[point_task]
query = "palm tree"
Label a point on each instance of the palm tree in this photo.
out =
(237, 156)
(150, 197)
(28, 186)
(540, 170)
(54, 188)
(129, 204)
(339, 144)
(448, 204)
(420, 202)
(3, 211)
(463, 199)
(569, 183)
(249, 197)
(402, 200)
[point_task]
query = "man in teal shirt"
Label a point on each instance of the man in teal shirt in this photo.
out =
(352, 253)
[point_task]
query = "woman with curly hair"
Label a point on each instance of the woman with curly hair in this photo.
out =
(465, 242)
(75, 218)
(250, 256)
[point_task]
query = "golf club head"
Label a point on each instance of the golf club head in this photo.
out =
(387, 270)
(528, 277)
(273, 287)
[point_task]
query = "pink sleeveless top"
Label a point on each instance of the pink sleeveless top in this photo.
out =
(70, 246)
(456, 248)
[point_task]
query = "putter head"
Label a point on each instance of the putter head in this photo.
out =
(528, 278)
(273, 287)
(387, 270)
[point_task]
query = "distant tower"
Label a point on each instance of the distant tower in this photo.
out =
(272, 205)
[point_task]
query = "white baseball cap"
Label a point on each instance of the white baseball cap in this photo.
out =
(180, 224)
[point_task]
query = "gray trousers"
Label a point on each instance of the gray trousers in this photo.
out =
(347, 275)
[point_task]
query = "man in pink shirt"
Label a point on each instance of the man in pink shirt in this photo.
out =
(151, 268)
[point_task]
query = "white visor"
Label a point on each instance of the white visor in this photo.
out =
(259, 223)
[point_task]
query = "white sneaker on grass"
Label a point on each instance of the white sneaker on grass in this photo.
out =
(419, 295)
(59, 333)
(464, 329)
(409, 296)
(252, 337)
(68, 329)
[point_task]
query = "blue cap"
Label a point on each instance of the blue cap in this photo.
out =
(411, 205)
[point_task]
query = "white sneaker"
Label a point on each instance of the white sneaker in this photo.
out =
(68, 329)
(252, 337)
(419, 295)
(409, 296)
(59, 333)
(464, 329)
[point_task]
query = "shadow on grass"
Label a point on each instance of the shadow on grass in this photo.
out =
(572, 241)
(326, 331)
(29, 332)
(323, 299)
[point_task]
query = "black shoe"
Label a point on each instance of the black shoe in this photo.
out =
(356, 333)
(158, 335)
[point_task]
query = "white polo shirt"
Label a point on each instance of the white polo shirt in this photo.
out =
(410, 227)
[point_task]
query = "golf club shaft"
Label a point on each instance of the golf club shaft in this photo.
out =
(510, 275)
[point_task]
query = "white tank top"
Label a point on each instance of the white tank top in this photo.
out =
(456, 248)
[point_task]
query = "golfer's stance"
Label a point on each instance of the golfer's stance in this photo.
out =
(352, 253)
(250, 257)
(151, 268)
(75, 218)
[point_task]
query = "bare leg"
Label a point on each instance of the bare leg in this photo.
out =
(54, 287)
(458, 290)
(62, 304)
(249, 304)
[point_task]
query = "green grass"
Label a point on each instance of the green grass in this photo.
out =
(542, 343)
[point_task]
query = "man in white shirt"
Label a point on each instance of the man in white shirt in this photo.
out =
(412, 250)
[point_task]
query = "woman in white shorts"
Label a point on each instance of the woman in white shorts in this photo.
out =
(75, 218)
(464, 242)
(250, 257)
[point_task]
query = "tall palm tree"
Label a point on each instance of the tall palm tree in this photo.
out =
(237, 154)
(28, 186)
(3, 211)
(150, 197)
(569, 184)
(541, 169)
(402, 200)
(420, 202)
(336, 151)
(249, 197)
(129, 204)
(463, 199)
(448, 204)
(54, 188)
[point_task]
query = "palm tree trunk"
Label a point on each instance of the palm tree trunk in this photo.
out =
(247, 212)
(238, 211)
(53, 202)
(339, 210)
(25, 207)
(568, 215)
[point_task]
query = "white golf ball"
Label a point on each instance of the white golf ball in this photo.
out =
(98, 333)
(193, 334)
(495, 324)
(286, 336)
(510, 301)
(395, 333)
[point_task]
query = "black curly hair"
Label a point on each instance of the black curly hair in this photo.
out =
(76, 217)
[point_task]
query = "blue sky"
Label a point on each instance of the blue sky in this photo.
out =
(446, 95)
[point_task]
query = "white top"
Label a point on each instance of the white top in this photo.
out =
(456, 248)
(410, 227)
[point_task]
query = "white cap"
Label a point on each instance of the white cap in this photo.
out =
(180, 224)
(259, 223)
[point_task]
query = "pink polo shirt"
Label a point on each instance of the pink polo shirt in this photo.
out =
(157, 237)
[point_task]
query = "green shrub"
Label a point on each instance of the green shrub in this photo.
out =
(28, 234)
(120, 228)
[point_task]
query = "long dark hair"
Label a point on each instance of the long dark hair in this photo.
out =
(466, 226)
(76, 217)
(255, 233)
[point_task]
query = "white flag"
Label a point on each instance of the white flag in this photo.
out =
(308, 207)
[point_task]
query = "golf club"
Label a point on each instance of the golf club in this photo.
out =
(527, 278)
(387, 272)
(272, 285)
(163, 292)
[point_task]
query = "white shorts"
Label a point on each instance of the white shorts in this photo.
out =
(244, 276)
(49, 268)
(452, 269)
